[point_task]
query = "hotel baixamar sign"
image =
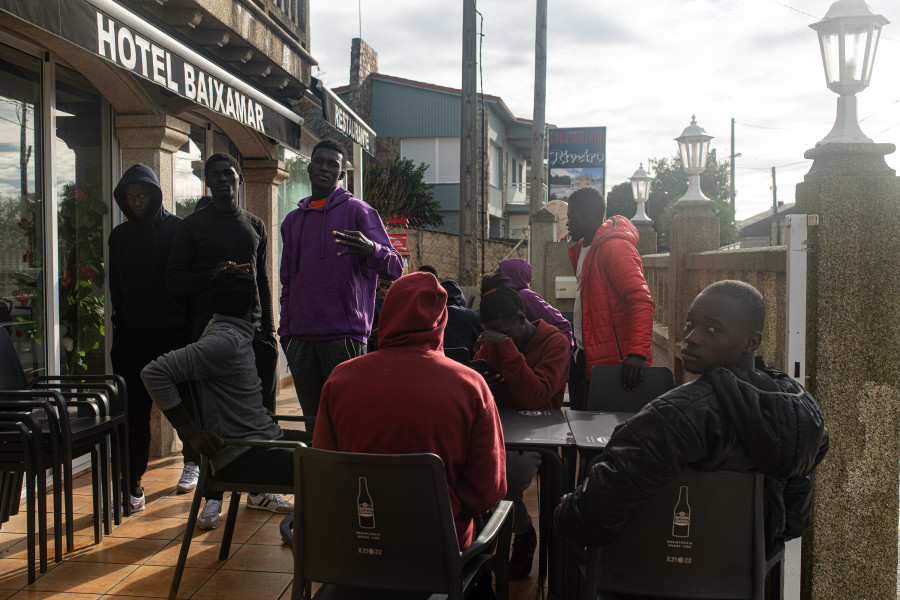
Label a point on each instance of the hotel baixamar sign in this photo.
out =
(130, 46)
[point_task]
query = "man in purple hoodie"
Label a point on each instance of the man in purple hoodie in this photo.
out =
(518, 271)
(328, 290)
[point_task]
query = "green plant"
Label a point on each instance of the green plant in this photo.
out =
(398, 189)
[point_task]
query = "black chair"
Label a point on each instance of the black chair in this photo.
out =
(460, 355)
(701, 537)
(606, 393)
(207, 482)
(380, 526)
(92, 418)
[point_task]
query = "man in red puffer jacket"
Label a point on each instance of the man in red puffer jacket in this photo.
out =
(613, 321)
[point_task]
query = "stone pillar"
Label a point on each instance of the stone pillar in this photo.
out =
(363, 62)
(152, 140)
(694, 228)
(647, 242)
(543, 232)
(261, 180)
(853, 361)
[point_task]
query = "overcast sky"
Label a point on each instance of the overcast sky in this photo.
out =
(641, 68)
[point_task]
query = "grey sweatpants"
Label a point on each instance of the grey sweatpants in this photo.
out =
(521, 467)
(311, 362)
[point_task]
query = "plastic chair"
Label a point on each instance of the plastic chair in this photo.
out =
(207, 482)
(380, 526)
(460, 355)
(607, 394)
(700, 537)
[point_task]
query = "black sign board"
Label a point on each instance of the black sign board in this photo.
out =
(343, 119)
(577, 159)
(124, 39)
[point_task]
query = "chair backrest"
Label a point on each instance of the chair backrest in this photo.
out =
(12, 377)
(374, 521)
(460, 355)
(607, 394)
(701, 536)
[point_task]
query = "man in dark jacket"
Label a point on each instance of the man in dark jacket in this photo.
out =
(147, 319)
(463, 324)
(733, 418)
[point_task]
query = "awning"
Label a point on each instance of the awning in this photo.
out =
(112, 32)
(344, 120)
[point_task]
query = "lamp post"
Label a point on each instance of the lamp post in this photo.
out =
(694, 146)
(848, 38)
(640, 188)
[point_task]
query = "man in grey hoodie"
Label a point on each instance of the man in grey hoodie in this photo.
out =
(221, 364)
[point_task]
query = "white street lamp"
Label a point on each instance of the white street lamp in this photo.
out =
(848, 39)
(640, 188)
(694, 146)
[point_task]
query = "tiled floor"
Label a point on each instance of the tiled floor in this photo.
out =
(137, 559)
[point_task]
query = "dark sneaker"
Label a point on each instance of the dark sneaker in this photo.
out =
(522, 556)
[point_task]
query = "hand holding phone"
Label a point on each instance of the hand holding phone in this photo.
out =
(487, 370)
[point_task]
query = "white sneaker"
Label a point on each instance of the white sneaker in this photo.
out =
(209, 516)
(189, 477)
(271, 502)
(138, 503)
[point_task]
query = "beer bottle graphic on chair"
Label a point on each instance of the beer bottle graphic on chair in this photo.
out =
(364, 507)
(681, 520)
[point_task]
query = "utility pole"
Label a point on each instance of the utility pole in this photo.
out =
(468, 147)
(540, 98)
(732, 167)
(774, 230)
(774, 195)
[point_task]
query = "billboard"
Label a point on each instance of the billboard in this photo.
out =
(577, 159)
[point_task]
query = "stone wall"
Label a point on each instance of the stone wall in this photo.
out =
(441, 250)
(363, 62)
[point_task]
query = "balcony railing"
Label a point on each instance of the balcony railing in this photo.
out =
(519, 194)
(289, 14)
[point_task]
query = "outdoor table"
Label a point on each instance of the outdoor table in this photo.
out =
(591, 431)
(547, 433)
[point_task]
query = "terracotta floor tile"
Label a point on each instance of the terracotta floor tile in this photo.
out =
(169, 475)
(269, 534)
(13, 573)
(201, 554)
(261, 559)
(8, 541)
(20, 550)
(242, 532)
(150, 528)
(81, 577)
(32, 595)
(4, 594)
(154, 582)
(171, 461)
(170, 506)
(119, 550)
(236, 584)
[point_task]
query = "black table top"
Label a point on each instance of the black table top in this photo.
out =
(535, 427)
(593, 429)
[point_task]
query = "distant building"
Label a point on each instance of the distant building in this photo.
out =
(421, 121)
(764, 230)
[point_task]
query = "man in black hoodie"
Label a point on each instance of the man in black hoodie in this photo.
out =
(147, 319)
(733, 418)
(463, 324)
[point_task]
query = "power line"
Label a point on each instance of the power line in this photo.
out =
(789, 7)
(782, 128)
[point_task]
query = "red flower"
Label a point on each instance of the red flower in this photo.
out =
(78, 194)
(66, 278)
(21, 297)
(28, 256)
(87, 272)
(23, 223)
(19, 333)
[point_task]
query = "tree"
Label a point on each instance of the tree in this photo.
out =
(669, 185)
(397, 189)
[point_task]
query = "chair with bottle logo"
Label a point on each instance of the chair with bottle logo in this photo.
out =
(702, 536)
(380, 526)
(606, 393)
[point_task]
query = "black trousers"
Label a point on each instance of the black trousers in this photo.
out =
(265, 350)
(578, 381)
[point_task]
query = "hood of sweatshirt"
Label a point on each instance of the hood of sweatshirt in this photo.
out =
(455, 296)
(414, 313)
(144, 174)
(518, 270)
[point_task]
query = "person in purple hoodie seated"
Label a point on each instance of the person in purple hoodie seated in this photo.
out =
(334, 249)
(518, 271)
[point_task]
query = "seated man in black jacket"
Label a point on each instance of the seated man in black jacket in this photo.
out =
(733, 418)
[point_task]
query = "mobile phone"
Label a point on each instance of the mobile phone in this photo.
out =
(243, 267)
(483, 366)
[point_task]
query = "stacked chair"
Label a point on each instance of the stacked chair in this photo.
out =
(65, 417)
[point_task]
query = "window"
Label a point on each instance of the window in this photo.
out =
(441, 154)
(496, 166)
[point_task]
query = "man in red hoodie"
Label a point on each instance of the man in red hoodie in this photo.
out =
(613, 321)
(532, 361)
(409, 398)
